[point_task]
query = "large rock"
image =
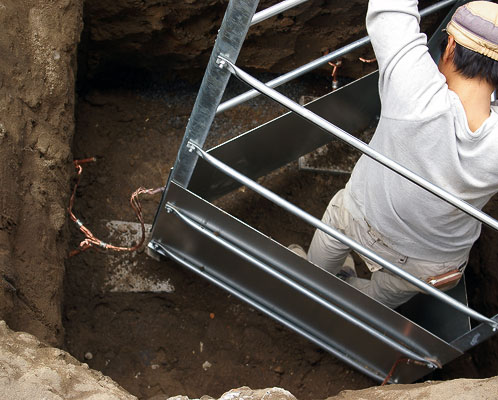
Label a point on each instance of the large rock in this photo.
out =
(243, 393)
(31, 370)
(461, 389)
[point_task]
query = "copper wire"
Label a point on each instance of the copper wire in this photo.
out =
(406, 360)
(90, 239)
(367, 60)
(335, 66)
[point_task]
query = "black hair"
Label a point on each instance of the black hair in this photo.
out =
(472, 64)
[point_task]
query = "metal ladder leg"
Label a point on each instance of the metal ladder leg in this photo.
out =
(229, 41)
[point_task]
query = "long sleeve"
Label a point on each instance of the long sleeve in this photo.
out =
(409, 80)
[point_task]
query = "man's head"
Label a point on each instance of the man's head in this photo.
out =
(471, 48)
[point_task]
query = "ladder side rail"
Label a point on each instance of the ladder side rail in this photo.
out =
(304, 69)
(361, 146)
(274, 198)
(346, 358)
(381, 336)
(274, 10)
(230, 38)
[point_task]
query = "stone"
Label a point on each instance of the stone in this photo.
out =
(29, 369)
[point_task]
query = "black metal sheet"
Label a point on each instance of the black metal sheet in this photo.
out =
(438, 317)
(477, 335)
(259, 151)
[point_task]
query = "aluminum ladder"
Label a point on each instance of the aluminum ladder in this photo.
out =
(190, 230)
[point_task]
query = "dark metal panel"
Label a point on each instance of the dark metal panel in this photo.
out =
(438, 317)
(477, 335)
(298, 310)
(284, 139)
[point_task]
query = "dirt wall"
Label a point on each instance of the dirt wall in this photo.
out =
(171, 38)
(37, 78)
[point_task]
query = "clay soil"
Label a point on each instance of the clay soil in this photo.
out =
(195, 339)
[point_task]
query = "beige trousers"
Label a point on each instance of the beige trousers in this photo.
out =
(384, 286)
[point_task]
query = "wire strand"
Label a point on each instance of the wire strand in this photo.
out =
(90, 239)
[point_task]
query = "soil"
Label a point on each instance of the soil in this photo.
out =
(198, 339)
(193, 338)
(32, 370)
(37, 81)
(169, 38)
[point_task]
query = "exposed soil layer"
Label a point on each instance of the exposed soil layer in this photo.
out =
(198, 339)
(32, 370)
(37, 80)
(171, 38)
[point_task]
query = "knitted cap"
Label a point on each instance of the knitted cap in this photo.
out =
(475, 26)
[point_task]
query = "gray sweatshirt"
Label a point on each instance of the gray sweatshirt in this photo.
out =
(423, 127)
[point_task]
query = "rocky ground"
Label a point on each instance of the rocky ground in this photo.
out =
(32, 370)
(29, 369)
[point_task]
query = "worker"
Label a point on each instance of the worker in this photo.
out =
(437, 121)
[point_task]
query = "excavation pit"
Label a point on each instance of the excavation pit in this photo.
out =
(196, 339)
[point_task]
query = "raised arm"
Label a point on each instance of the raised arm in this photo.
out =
(409, 80)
